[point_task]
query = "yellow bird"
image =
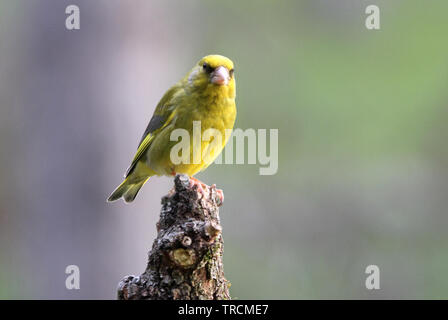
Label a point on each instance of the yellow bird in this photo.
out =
(205, 96)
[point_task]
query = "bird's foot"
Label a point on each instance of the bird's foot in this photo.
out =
(219, 192)
(203, 188)
(199, 184)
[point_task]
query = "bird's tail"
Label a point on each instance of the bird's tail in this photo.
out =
(127, 189)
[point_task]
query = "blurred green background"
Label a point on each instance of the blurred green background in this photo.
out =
(363, 161)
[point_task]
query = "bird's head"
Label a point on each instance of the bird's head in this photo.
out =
(213, 74)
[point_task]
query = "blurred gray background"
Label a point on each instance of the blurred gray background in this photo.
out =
(363, 162)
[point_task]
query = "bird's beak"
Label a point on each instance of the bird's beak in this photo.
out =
(220, 76)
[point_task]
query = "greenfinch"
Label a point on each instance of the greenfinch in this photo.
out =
(206, 94)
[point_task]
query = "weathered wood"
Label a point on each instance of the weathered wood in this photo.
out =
(185, 261)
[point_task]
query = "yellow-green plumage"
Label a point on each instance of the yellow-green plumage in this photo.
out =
(205, 94)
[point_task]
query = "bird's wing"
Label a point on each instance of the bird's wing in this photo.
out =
(161, 118)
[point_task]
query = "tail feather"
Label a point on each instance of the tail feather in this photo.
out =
(127, 190)
(130, 195)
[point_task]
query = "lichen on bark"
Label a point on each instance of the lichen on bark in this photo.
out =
(185, 261)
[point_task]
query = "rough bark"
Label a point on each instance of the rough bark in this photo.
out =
(185, 261)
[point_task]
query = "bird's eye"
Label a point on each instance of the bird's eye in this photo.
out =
(207, 68)
(231, 73)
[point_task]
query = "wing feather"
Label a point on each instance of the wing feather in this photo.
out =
(161, 118)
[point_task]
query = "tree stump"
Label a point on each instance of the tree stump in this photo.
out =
(185, 261)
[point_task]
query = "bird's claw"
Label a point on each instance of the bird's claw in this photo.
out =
(203, 188)
(219, 192)
(200, 185)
